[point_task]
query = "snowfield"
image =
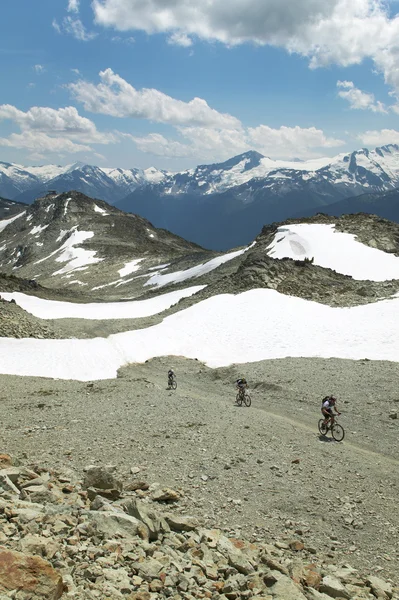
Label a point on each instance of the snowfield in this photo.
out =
(334, 250)
(272, 325)
(160, 280)
(135, 309)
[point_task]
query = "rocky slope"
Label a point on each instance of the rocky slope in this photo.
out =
(383, 204)
(70, 239)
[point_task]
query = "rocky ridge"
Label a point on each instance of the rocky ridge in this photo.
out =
(64, 537)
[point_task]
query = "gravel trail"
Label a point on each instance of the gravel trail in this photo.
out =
(262, 471)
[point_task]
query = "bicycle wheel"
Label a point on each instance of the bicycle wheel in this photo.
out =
(174, 384)
(338, 432)
(323, 428)
(239, 399)
(247, 400)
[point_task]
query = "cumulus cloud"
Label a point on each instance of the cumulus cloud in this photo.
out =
(75, 27)
(39, 69)
(73, 6)
(358, 99)
(219, 144)
(116, 97)
(61, 122)
(381, 137)
(42, 143)
(180, 39)
(344, 32)
(46, 130)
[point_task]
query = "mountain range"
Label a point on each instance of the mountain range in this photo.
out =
(223, 205)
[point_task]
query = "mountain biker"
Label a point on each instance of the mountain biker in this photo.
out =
(171, 375)
(241, 384)
(329, 403)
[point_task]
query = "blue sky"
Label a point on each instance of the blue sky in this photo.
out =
(174, 83)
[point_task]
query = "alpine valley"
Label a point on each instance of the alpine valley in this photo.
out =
(223, 205)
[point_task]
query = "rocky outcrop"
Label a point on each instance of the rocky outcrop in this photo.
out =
(70, 546)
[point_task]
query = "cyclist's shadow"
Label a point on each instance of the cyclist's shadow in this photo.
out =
(324, 438)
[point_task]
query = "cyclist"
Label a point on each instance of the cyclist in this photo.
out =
(241, 385)
(171, 376)
(329, 403)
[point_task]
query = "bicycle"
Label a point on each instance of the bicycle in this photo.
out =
(337, 431)
(243, 397)
(172, 383)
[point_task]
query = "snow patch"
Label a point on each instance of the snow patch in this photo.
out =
(5, 222)
(54, 309)
(277, 326)
(76, 257)
(160, 280)
(97, 209)
(130, 267)
(332, 249)
(38, 229)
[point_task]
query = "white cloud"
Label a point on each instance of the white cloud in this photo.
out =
(42, 143)
(219, 144)
(76, 71)
(73, 6)
(180, 39)
(358, 99)
(344, 32)
(117, 39)
(115, 96)
(382, 137)
(75, 27)
(39, 69)
(61, 122)
(56, 25)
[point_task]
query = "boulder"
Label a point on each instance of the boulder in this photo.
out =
(115, 524)
(285, 589)
(147, 515)
(101, 478)
(333, 587)
(379, 587)
(180, 523)
(165, 495)
(7, 485)
(31, 575)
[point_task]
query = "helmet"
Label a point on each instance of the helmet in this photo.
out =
(333, 400)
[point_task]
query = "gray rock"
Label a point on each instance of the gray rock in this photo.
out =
(379, 587)
(116, 524)
(101, 478)
(333, 587)
(180, 523)
(147, 515)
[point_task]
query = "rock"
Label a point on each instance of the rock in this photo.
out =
(147, 515)
(165, 495)
(239, 562)
(135, 470)
(117, 524)
(29, 574)
(39, 545)
(379, 587)
(179, 523)
(149, 569)
(7, 485)
(101, 478)
(137, 485)
(42, 494)
(296, 545)
(333, 587)
(285, 589)
(5, 461)
(393, 414)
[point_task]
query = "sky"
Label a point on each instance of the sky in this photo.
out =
(176, 83)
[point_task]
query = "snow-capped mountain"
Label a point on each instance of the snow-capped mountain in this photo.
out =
(218, 205)
(24, 184)
(223, 205)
